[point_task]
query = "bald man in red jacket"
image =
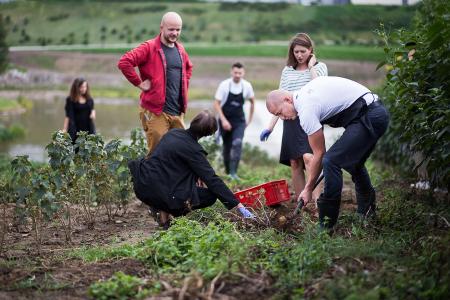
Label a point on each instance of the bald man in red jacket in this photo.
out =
(164, 73)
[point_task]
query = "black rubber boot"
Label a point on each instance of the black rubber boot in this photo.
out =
(366, 203)
(233, 168)
(328, 211)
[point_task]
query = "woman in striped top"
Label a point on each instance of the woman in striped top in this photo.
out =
(301, 67)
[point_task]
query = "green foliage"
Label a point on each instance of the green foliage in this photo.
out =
(188, 245)
(12, 132)
(389, 258)
(417, 93)
(120, 286)
(218, 22)
(354, 52)
(3, 46)
(263, 7)
(95, 175)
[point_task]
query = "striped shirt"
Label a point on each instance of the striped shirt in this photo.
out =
(293, 80)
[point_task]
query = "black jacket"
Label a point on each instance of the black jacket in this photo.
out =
(170, 174)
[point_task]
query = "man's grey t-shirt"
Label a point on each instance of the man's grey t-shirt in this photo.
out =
(172, 105)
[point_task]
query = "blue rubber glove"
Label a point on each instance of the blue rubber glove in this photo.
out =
(246, 213)
(264, 135)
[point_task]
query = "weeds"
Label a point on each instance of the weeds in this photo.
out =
(119, 286)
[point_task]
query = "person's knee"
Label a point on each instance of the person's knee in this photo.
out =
(296, 164)
(307, 158)
(237, 142)
(327, 162)
(236, 147)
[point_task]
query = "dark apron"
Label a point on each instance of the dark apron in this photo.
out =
(353, 119)
(355, 112)
(233, 109)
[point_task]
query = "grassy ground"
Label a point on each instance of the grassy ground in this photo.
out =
(8, 105)
(402, 254)
(340, 52)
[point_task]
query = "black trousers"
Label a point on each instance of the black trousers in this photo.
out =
(232, 146)
(351, 151)
(206, 199)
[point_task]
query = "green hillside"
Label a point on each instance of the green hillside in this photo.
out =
(109, 22)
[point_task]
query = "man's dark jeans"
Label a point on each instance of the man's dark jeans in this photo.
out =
(351, 151)
(232, 146)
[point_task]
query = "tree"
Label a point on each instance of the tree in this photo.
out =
(417, 94)
(3, 46)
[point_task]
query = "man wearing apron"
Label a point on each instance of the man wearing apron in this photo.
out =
(229, 104)
(337, 102)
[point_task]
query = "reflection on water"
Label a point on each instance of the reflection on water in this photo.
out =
(115, 120)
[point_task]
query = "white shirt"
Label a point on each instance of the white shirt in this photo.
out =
(228, 85)
(324, 97)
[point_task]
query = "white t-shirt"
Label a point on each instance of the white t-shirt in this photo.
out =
(229, 85)
(324, 97)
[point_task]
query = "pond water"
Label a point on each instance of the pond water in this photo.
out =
(116, 118)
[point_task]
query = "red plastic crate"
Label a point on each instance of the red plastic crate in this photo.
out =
(274, 191)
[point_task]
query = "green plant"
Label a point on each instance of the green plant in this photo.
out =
(12, 132)
(417, 94)
(119, 286)
(3, 46)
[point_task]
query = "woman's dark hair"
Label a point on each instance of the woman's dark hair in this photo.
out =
(203, 124)
(300, 39)
(75, 89)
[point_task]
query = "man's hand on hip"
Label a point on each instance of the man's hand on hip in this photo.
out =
(145, 85)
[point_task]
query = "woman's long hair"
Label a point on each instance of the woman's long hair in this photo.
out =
(75, 90)
(300, 39)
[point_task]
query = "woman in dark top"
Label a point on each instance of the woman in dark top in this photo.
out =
(80, 113)
(167, 181)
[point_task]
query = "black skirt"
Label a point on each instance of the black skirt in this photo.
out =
(294, 142)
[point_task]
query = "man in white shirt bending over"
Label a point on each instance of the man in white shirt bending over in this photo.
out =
(229, 104)
(337, 102)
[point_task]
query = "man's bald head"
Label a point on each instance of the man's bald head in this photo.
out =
(171, 18)
(280, 104)
(170, 28)
(275, 99)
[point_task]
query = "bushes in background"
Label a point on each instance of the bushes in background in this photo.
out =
(417, 94)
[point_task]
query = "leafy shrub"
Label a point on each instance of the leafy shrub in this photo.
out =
(193, 11)
(300, 261)
(12, 132)
(188, 245)
(4, 61)
(58, 17)
(417, 93)
(143, 9)
(263, 7)
(93, 176)
(119, 286)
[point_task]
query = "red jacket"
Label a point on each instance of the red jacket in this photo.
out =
(151, 62)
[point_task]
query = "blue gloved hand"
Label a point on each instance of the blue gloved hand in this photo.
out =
(246, 213)
(264, 135)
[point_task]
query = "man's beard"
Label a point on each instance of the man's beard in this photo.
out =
(169, 39)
